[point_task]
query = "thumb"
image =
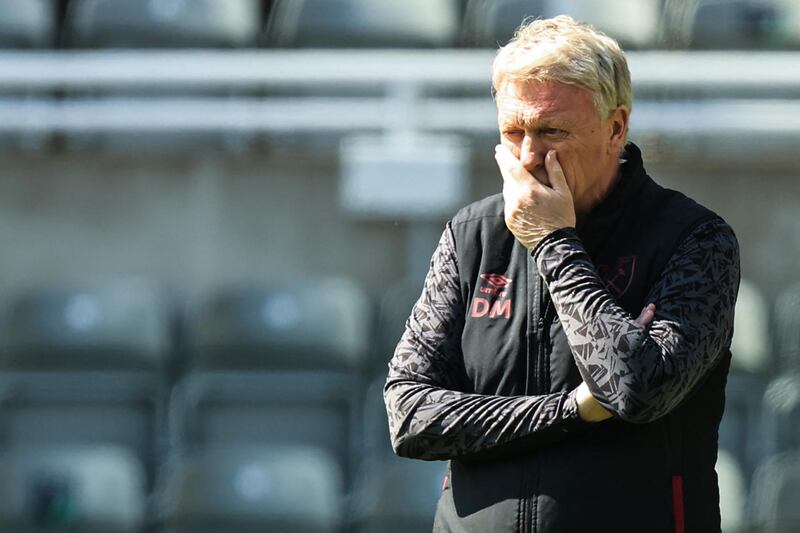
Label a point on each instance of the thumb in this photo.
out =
(556, 174)
(647, 315)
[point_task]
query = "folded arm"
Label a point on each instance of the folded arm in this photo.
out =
(430, 414)
(641, 373)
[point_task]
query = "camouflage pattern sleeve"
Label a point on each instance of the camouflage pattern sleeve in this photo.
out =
(641, 374)
(432, 413)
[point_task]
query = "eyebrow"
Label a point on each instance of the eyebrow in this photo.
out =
(539, 122)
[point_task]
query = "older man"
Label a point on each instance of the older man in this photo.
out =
(569, 351)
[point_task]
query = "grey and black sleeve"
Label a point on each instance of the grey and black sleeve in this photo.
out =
(432, 413)
(637, 373)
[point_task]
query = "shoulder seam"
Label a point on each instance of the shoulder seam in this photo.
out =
(708, 218)
(459, 222)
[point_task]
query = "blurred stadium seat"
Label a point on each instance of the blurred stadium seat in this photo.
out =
(319, 324)
(27, 23)
(780, 416)
(375, 425)
(745, 24)
(84, 365)
(391, 494)
(278, 366)
(395, 308)
(739, 429)
(253, 490)
(112, 326)
(363, 23)
(91, 489)
(163, 23)
(776, 493)
(635, 23)
(732, 493)
(395, 495)
(489, 23)
(751, 344)
(787, 328)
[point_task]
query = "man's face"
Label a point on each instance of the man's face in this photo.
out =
(535, 117)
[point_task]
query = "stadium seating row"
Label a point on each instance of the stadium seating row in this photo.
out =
(260, 428)
(274, 414)
(386, 23)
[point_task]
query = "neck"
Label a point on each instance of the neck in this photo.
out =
(592, 197)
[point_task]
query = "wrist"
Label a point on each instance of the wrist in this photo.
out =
(589, 409)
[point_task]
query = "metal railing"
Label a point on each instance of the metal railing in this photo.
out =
(677, 93)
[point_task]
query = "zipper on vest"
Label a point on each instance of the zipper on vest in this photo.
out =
(532, 338)
(536, 379)
(548, 314)
(540, 366)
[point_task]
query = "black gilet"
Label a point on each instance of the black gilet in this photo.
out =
(617, 478)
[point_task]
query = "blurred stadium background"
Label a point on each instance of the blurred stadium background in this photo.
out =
(215, 216)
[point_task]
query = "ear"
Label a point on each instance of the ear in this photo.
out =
(618, 129)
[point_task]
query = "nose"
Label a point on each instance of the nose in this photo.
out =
(532, 152)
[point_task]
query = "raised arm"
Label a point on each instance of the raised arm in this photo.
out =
(432, 413)
(638, 373)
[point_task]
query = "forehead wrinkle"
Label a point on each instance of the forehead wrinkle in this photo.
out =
(513, 110)
(530, 104)
(531, 117)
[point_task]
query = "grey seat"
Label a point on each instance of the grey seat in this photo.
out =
(391, 494)
(375, 424)
(83, 365)
(395, 495)
(751, 344)
(780, 415)
(775, 494)
(163, 23)
(276, 366)
(253, 489)
(732, 493)
(787, 328)
(98, 489)
(314, 325)
(489, 23)
(395, 308)
(363, 23)
(110, 326)
(27, 23)
(738, 24)
(634, 23)
(740, 430)
(750, 363)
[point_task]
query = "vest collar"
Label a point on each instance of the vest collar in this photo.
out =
(605, 214)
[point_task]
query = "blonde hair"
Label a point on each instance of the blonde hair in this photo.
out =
(564, 50)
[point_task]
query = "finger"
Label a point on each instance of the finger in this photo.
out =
(554, 171)
(526, 154)
(504, 165)
(646, 316)
(510, 167)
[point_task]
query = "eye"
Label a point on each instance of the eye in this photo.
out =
(552, 132)
(513, 133)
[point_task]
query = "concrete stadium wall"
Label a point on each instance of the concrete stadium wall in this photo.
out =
(195, 220)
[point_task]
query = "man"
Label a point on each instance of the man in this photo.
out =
(570, 348)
